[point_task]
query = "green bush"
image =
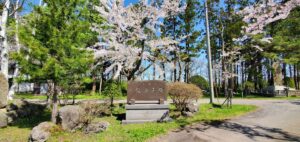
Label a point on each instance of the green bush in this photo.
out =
(249, 85)
(182, 94)
(290, 82)
(200, 82)
(124, 86)
(93, 110)
(112, 90)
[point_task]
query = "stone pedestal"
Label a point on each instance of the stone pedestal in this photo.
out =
(140, 113)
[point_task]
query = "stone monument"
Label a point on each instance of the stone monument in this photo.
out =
(146, 102)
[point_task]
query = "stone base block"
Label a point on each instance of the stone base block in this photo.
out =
(140, 113)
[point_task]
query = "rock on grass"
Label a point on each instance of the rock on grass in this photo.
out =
(41, 132)
(96, 127)
(3, 119)
(3, 91)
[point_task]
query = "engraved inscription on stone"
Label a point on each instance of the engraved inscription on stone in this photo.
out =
(147, 90)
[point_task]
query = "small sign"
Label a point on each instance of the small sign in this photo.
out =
(152, 90)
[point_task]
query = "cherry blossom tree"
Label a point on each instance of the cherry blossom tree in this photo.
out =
(265, 12)
(258, 17)
(130, 34)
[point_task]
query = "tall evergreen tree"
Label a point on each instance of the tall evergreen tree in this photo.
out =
(55, 39)
(188, 28)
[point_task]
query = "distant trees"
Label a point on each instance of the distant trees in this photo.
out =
(200, 81)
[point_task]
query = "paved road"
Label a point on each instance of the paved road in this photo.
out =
(276, 120)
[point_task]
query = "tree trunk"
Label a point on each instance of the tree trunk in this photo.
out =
(3, 36)
(179, 71)
(13, 88)
(164, 71)
(94, 84)
(243, 72)
(187, 72)
(290, 70)
(138, 64)
(100, 83)
(284, 75)
(154, 71)
(295, 76)
(54, 105)
(271, 75)
(175, 70)
(111, 104)
(298, 79)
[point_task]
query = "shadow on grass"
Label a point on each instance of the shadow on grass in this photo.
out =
(32, 121)
(250, 132)
(120, 116)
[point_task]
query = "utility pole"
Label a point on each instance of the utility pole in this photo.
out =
(211, 83)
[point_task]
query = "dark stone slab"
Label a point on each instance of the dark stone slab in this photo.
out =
(152, 90)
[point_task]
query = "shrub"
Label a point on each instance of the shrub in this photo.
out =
(249, 85)
(112, 90)
(182, 94)
(290, 82)
(124, 86)
(93, 109)
(200, 82)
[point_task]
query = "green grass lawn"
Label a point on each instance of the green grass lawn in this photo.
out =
(80, 96)
(269, 98)
(259, 97)
(118, 132)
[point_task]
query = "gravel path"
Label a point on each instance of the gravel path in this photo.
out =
(276, 120)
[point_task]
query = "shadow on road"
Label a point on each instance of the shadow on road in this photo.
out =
(295, 102)
(251, 132)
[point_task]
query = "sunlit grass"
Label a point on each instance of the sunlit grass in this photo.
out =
(131, 132)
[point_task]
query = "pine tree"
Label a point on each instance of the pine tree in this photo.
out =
(190, 20)
(55, 39)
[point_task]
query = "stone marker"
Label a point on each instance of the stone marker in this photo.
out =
(152, 90)
(3, 91)
(146, 102)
